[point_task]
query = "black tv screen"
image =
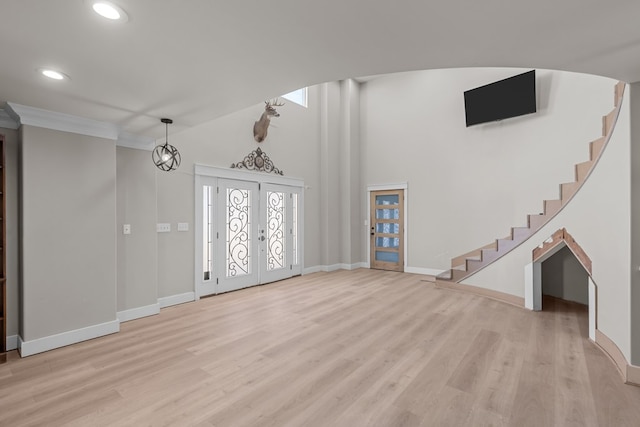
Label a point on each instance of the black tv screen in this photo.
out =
(506, 98)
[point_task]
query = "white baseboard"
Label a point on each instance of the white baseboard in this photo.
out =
(334, 267)
(12, 342)
(28, 348)
(425, 271)
(359, 265)
(137, 313)
(310, 270)
(176, 299)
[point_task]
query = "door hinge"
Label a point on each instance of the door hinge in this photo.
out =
(218, 190)
(291, 267)
(217, 280)
(259, 186)
(217, 234)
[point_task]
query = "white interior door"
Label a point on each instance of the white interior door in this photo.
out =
(237, 234)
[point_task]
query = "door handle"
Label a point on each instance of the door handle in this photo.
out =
(261, 238)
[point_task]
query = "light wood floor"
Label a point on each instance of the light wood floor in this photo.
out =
(360, 348)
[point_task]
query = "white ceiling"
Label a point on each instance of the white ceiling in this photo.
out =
(196, 60)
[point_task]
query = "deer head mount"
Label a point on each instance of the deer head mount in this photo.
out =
(261, 126)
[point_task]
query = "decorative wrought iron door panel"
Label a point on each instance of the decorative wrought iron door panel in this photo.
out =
(276, 225)
(237, 235)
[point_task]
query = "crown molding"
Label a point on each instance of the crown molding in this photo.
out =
(38, 117)
(134, 141)
(14, 115)
(6, 121)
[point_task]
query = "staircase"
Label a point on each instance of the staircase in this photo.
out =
(467, 264)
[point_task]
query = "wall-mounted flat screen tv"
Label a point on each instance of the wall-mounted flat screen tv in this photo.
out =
(515, 96)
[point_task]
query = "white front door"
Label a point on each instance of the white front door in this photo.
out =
(237, 234)
(279, 232)
(247, 233)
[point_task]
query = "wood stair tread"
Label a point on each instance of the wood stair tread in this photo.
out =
(595, 147)
(551, 207)
(583, 169)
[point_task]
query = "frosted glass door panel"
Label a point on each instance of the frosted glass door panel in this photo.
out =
(206, 261)
(387, 256)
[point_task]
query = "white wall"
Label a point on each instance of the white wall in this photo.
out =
(68, 233)
(137, 252)
(468, 186)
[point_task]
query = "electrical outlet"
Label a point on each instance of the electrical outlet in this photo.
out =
(163, 227)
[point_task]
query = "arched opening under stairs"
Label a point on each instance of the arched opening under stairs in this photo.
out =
(561, 269)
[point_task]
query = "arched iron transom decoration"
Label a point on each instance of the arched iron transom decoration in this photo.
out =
(257, 160)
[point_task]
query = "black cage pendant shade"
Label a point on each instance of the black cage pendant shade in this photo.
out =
(166, 157)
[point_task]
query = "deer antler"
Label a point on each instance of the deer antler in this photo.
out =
(275, 103)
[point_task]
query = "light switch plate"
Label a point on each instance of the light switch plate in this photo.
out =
(126, 229)
(183, 226)
(163, 227)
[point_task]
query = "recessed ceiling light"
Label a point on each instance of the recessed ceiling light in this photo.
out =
(109, 10)
(53, 74)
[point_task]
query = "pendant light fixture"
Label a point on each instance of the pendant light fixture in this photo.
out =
(166, 157)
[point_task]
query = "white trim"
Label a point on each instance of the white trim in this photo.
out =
(333, 267)
(6, 121)
(384, 187)
(311, 270)
(200, 283)
(242, 175)
(528, 286)
(176, 299)
(12, 342)
(28, 348)
(425, 271)
(354, 266)
(62, 122)
(137, 313)
(128, 140)
(592, 309)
